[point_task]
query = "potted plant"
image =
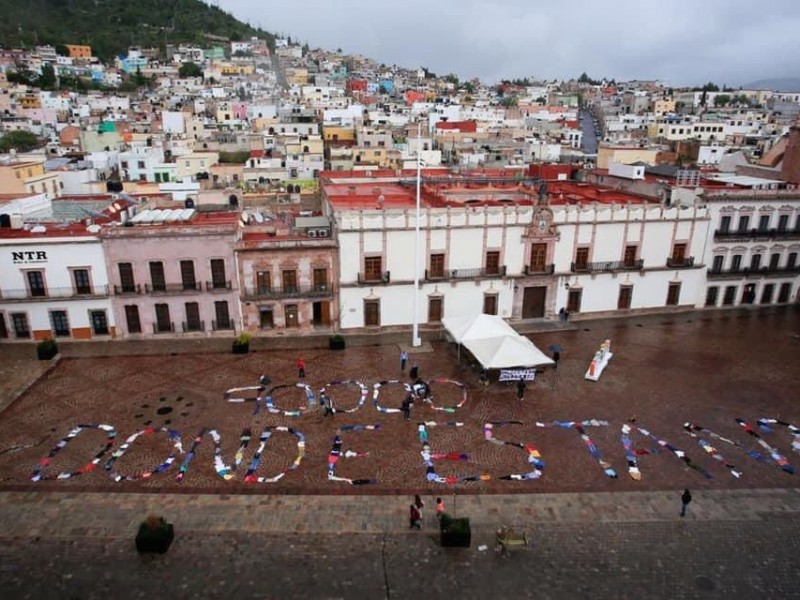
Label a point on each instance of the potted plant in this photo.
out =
(155, 535)
(336, 342)
(455, 532)
(241, 345)
(46, 349)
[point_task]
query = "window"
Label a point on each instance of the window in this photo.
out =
(263, 283)
(127, 283)
(292, 319)
(140, 164)
(629, 259)
(716, 266)
(730, 295)
(678, 253)
(625, 295)
(539, 256)
(59, 323)
(187, 275)
(193, 322)
(19, 321)
(581, 259)
(99, 322)
(763, 223)
(755, 262)
(82, 283)
(783, 222)
(785, 292)
(767, 293)
(372, 268)
(437, 266)
(791, 260)
(711, 296)
(36, 284)
(163, 323)
(132, 318)
(223, 319)
(774, 261)
(157, 277)
(3, 330)
(493, 263)
(673, 294)
(372, 313)
(490, 304)
(289, 281)
(744, 223)
(736, 262)
(321, 280)
(218, 273)
(434, 309)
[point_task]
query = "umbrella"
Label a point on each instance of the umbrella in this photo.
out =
(554, 348)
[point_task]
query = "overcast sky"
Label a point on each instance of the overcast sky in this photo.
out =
(679, 41)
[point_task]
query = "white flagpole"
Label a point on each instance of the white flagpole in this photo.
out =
(415, 341)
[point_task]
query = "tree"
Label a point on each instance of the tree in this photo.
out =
(61, 50)
(189, 69)
(22, 141)
(47, 80)
(722, 100)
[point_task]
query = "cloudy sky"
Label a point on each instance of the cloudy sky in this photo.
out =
(681, 41)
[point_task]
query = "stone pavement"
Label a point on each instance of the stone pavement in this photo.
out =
(732, 544)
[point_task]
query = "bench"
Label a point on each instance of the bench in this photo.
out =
(506, 539)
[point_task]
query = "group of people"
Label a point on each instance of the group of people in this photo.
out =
(415, 512)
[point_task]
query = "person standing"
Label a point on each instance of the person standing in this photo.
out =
(328, 404)
(419, 504)
(521, 388)
(439, 508)
(686, 498)
(556, 358)
(414, 517)
(403, 360)
(406, 406)
(414, 373)
(301, 368)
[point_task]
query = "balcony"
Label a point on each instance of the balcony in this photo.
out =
(172, 288)
(687, 262)
(465, 274)
(384, 277)
(189, 327)
(319, 290)
(608, 266)
(98, 291)
(736, 235)
(218, 286)
(163, 327)
(540, 269)
(127, 290)
(749, 272)
(222, 325)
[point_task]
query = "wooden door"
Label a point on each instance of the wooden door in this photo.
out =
(533, 300)
(434, 310)
(625, 295)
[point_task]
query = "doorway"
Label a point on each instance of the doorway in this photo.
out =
(322, 314)
(533, 299)
(266, 319)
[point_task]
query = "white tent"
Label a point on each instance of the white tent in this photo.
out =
(494, 343)
(507, 352)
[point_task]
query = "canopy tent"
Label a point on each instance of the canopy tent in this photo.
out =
(494, 343)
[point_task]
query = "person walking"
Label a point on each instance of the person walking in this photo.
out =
(419, 504)
(556, 358)
(414, 517)
(327, 403)
(521, 388)
(414, 373)
(406, 406)
(301, 368)
(686, 498)
(439, 508)
(403, 360)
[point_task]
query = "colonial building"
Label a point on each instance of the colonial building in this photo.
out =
(172, 271)
(507, 246)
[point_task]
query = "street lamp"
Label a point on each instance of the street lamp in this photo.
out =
(415, 340)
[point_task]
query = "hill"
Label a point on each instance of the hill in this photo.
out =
(111, 26)
(786, 84)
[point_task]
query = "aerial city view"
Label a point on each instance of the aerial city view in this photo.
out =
(358, 300)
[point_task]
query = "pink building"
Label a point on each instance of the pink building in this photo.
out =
(173, 272)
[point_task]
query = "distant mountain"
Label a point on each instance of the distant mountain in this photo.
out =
(111, 26)
(785, 84)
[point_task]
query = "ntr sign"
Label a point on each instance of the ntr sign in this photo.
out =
(29, 256)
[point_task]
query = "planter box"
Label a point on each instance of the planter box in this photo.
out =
(46, 350)
(455, 532)
(238, 348)
(154, 540)
(336, 343)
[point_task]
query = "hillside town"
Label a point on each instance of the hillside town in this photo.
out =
(242, 188)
